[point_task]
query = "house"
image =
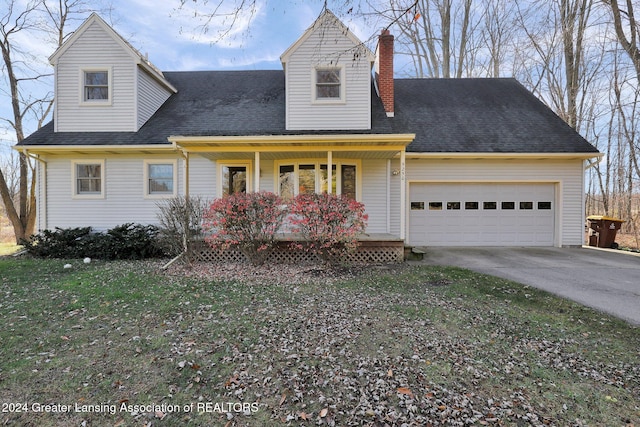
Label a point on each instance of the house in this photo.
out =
(438, 162)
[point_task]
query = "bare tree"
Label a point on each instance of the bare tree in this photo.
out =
(627, 29)
(437, 36)
(39, 19)
(12, 23)
(499, 19)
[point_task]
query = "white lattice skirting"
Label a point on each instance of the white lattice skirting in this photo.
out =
(369, 252)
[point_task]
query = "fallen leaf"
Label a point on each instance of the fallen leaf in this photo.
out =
(389, 373)
(324, 412)
(232, 380)
(303, 416)
(405, 390)
(283, 398)
(65, 338)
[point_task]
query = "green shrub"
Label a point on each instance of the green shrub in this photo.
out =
(59, 243)
(127, 241)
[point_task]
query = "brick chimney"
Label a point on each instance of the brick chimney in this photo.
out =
(384, 71)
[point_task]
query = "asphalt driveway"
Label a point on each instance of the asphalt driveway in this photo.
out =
(605, 280)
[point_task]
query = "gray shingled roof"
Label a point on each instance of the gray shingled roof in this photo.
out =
(447, 115)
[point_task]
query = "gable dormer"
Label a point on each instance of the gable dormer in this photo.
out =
(103, 84)
(328, 78)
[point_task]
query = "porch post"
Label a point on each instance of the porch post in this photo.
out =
(256, 173)
(403, 194)
(329, 172)
(186, 174)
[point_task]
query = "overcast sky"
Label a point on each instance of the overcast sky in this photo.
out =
(174, 41)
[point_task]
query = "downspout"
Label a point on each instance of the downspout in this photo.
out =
(388, 196)
(403, 194)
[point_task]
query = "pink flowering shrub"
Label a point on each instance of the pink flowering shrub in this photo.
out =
(245, 221)
(328, 223)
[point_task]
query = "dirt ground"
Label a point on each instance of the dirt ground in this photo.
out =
(627, 241)
(624, 240)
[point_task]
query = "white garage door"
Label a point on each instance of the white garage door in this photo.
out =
(488, 214)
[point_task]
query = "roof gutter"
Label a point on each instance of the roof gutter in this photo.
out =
(481, 155)
(54, 149)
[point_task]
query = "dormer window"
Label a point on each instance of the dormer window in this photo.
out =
(96, 86)
(329, 84)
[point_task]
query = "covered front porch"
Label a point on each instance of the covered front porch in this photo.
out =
(357, 166)
(353, 165)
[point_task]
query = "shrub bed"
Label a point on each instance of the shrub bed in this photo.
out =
(127, 241)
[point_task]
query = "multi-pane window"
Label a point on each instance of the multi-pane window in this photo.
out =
(88, 178)
(312, 177)
(160, 178)
(328, 83)
(96, 86)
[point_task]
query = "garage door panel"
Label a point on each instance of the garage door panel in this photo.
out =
(487, 214)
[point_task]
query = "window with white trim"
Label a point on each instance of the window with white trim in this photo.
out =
(329, 84)
(160, 178)
(88, 178)
(96, 86)
(312, 177)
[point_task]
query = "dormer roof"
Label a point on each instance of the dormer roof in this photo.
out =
(326, 18)
(137, 57)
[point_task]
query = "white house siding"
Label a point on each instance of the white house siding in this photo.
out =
(151, 96)
(374, 194)
(202, 177)
(124, 199)
(267, 175)
(305, 114)
(95, 49)
(567, 175)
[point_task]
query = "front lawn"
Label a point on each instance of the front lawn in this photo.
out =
(125, 344)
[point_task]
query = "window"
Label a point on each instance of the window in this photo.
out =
(526, 205)
(417, 206)
(471, 205)
(287, 182)
(348, 181)
(307, 177)
(453, 206)
(435, 206)
(328, 82)
(88, 178)
(508, 206)
(160, 178)
(96, 85)
(544, 206)
(234, 179)
(489, 205)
